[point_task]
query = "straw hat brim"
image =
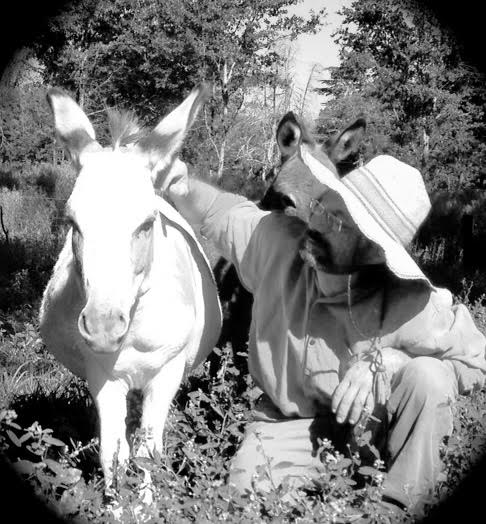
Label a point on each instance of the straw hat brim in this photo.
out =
(396, 256)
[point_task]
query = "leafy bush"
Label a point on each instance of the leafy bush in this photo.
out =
(48, 424)
(8, 179)
(46, 179)
(32, 239)
(48, 432)
(204, 429)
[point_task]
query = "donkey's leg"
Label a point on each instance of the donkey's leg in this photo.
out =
(111, 403)
(158, 395)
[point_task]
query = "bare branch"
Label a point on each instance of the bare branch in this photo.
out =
(208, 127)
(4, 229)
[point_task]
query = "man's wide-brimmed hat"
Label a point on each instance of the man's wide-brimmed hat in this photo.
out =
(388, 201)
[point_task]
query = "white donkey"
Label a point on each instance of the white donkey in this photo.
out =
(131, 302)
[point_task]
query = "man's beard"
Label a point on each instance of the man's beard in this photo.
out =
(317, 251)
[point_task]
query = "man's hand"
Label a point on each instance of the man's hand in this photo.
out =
(176, 182)
(354, 393)
(189, 195)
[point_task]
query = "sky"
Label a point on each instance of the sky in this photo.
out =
(318, 51)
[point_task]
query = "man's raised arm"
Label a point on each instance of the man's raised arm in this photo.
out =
(192, 197)
(229, 221)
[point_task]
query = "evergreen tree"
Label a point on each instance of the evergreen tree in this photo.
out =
(405, 72)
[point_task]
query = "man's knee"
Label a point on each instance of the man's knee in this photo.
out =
(249, 460)
(240, 478)
(271, 452)
(429, 381)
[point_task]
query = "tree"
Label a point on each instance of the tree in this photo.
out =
(406, 73)
(24, 126)
(146, 54)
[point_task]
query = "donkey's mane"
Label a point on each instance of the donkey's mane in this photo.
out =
(124, 127)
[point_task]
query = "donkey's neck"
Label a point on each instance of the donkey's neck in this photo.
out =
(168, 271)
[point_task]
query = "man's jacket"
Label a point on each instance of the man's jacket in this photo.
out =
(301, 342)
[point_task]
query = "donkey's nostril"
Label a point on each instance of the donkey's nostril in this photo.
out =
(83, 324)
(288, 201)
(121, 326)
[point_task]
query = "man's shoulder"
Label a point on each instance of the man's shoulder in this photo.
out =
(277, 242)
(412, 301)
(418, 290)
(278, 224)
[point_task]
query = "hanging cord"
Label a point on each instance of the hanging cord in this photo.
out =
(381, 384)
(308, 309)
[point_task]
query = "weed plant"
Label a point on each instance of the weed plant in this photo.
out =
(49, 426)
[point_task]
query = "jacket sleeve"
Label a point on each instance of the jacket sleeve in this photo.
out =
(231, 224)
(446, 331)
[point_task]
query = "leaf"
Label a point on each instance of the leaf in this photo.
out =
(344, 463)
(283, 464)
(143, 461)
(13, 437)
(71, 500)
(70, 476)
(53, 441)
(54, 466)
(349, 481)
(63, 474)
(217, 410)
(368, 471)
(24, 437)
(25, 467)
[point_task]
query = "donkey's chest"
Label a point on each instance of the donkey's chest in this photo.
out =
(160, 329)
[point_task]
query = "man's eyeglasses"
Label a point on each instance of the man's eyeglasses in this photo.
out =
(328, 220)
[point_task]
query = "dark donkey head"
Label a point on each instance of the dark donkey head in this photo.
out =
(293, 185)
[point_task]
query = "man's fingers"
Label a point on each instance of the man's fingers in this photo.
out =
(370, 402)
(359, 404)
(346, 403)
(176, 178)
(338, 394)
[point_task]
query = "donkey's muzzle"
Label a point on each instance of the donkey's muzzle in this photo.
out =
(103, 331)
(274, 200)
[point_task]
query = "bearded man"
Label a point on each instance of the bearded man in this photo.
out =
(344, 323)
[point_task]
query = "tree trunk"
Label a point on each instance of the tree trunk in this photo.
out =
(225, 79)
(426, 144)
(222, 151)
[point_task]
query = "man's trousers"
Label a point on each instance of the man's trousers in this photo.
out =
(418, 416)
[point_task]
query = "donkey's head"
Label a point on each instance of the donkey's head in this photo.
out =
(294, 186)
(113, 210)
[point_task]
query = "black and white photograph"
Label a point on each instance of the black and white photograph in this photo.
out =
(242, 261)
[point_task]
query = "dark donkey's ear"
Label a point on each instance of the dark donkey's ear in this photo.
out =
(343, 148)
(289, 134)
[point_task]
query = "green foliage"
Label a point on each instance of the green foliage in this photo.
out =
(33, 232)
(25, 133)
(147, 55)
(203, 431)
(423, 102)
(48, 428)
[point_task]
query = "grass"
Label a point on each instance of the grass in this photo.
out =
(54, 445)
(49, 427)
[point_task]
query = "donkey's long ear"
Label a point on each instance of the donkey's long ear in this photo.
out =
(289, 134)
(164, 142)
(343, 148)
(73, 128)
